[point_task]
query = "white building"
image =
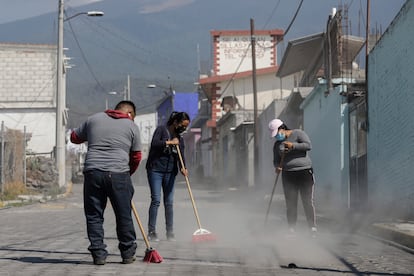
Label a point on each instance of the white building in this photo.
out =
(229, 90)
(27, 92)
(146, 124)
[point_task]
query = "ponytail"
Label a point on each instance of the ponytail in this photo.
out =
(177, 116)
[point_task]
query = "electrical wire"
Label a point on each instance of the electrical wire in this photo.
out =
(294, 18)
(287, 29)
(116, 34)
(85, 59)
(273, 45)
(128, 41)
(271, 15)
(362, 13)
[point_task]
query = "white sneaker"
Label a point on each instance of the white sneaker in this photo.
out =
(313, 232)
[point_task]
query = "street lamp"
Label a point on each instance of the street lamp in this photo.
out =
(89, 13)
(61, 95)
(167, 107)
(106, 99)
(169, 92)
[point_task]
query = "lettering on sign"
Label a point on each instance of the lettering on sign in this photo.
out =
(237, 47)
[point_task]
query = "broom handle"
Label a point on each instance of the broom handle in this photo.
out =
(140, 225)
(188, 187)
(274, 186)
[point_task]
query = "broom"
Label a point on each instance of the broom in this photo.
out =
(151, 255)
(274, 186)
(200, 235)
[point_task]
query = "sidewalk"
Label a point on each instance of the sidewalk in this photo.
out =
(401, 233)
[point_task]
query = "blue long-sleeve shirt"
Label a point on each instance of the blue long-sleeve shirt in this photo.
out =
(162, 157)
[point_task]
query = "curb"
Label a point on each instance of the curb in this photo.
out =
(391, 231)
(33, 199)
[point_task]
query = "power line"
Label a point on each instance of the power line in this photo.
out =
(105, 30)
(294, 18)
(271, 14)
(84, 58)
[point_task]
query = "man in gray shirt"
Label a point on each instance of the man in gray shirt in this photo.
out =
(114, 153)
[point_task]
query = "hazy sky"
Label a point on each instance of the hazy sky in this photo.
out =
(11, 10)
(381, 10)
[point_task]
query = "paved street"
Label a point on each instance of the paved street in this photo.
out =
(50, 239)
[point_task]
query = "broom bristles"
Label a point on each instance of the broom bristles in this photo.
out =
(204, 238)
(203, 235)
(152, 256)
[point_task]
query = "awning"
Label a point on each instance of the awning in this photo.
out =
(306, 55)
(299, 53)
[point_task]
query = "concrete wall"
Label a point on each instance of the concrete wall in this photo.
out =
(325, 120)
(265, 167)
(27, 75)
(206, 152)
(391, 129)
(38, 124)
(268, 89)
(146, 124)
(27, 92)
(228, 152)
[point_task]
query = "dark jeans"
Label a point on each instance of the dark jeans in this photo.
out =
(158, 180)
(295, 182)
(98, 187)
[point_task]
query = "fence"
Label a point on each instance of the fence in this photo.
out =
(14, 158)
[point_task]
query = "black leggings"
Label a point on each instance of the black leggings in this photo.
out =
(295, 182)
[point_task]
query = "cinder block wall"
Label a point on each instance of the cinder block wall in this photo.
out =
(27, 91)
(391, 113)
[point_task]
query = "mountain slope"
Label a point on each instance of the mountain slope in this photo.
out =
(159, 45)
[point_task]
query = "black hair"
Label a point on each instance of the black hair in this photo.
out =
(121, 104)
(283, 126)
(177, 117)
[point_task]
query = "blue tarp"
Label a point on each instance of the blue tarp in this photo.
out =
(180, 101)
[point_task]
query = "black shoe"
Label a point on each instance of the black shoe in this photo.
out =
(99, 261)
(152, 236)
(170, 236)
(128, 260)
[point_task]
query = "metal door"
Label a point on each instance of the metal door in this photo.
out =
(358, 185)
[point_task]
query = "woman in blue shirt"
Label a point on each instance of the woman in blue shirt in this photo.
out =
(162, 167)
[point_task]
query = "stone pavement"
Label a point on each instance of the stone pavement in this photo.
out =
(50, 239)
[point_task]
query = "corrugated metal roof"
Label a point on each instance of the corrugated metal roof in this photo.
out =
(298, 54)
(306, 55)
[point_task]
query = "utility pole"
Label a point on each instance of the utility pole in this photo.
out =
(129, 89)
(366, 62)
(60, 104)
(255, 124)
(60, 149)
